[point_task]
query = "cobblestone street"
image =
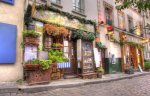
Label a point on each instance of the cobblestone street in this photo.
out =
(138, 86)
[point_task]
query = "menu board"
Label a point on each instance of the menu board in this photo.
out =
(87, 54)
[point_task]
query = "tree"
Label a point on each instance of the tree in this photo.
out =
(141, 5)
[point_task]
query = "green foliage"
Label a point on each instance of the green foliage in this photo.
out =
(100, 70)
(147, 65)
(99, 45)
(31, 33)
(134, 44)
(127, 42)
(139, 4)
(69, 16)
(80, 34)
(45, 64)
(56, 56)
(28, 17)
(116, 41)
(57, 45)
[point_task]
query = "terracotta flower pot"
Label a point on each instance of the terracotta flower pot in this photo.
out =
(97, 39)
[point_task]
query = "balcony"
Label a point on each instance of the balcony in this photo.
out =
(108, 21)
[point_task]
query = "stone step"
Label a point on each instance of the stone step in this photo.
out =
(70, 76)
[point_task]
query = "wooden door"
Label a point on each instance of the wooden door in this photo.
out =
(72, 55)
(133, 56)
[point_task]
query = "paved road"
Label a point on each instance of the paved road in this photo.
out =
(137, 86)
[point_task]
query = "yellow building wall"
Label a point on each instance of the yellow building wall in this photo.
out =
(13, 14)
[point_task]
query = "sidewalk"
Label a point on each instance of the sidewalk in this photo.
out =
(65, 83)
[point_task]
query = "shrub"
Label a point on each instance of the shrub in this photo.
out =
(147, 65)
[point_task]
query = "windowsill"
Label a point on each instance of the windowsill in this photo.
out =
(57, 5)
(78, 13)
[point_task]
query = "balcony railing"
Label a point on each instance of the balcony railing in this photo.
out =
(108, 21)
(78, 9)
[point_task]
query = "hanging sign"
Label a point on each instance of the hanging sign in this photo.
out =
(56, 18)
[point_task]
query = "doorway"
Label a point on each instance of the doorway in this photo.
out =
(73, 58)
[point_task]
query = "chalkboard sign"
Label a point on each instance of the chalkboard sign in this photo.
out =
(7, 43)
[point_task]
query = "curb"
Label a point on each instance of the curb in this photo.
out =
(34, 89)
(46, 88)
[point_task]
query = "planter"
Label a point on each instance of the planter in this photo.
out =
(35, 75)
(99, 75)
(31, 41)
(31, 67)
(129, 71)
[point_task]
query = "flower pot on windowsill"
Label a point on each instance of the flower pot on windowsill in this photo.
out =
(31, 41)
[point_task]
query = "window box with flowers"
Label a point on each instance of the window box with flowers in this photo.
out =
(31, 37)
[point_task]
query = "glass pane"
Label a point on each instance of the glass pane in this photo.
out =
(30, 53)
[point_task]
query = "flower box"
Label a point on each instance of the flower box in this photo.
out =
(31, 41)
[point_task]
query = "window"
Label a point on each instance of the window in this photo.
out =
(108, 15)
(47, 42)
(56, 1)
(78, 6)
(121, 20)
(130, 24)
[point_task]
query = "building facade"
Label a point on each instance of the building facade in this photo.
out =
(121, 33)
(11, 27)
(146, 29)
(78, 29)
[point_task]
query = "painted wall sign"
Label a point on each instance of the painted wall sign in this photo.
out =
(56, 18)
(9, 1)
(7, 43)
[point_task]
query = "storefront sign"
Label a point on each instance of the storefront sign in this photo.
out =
(7, 43)
(56, 18)
(133, 39)
(8, 1)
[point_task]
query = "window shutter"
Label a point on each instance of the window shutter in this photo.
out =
(9, 1)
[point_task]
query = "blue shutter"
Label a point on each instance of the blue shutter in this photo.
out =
(8, 1)
(7, 43)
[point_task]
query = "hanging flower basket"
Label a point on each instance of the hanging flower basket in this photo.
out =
(53, 30)
(63, 31)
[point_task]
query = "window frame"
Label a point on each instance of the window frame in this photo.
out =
(79, 9)
(120, 13)
(110, 7)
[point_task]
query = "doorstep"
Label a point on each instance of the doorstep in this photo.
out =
(67, 83)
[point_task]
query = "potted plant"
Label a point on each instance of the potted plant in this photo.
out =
(56, 56)
(147, 65)
(32, 65)
(38, 71)
(100, 72)
(31, 37)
